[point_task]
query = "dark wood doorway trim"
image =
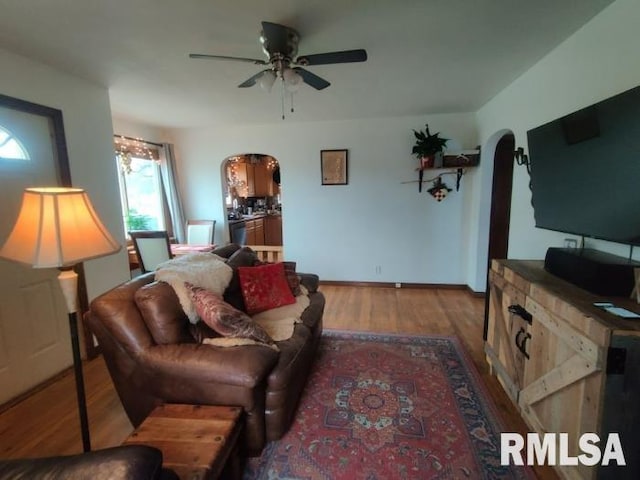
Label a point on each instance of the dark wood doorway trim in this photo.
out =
(501, 198)
(501, 190)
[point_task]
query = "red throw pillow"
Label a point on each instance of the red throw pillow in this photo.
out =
(223, 318)
(290, 274)
(264, 287)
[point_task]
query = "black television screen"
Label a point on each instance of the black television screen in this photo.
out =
(585, 171)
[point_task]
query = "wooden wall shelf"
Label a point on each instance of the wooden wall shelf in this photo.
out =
(464, 159)
(459, 162)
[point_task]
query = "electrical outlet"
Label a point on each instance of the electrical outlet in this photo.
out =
(398, 285)
(378, 269)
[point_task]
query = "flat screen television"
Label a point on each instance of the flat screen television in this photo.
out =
(585, 171)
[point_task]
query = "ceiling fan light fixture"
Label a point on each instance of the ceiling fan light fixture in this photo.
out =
(267, 80)
(292, 79)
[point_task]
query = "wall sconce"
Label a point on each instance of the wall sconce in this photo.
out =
(522, 159)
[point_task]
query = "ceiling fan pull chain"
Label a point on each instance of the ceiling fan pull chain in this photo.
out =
(291, 102)
(282, 98)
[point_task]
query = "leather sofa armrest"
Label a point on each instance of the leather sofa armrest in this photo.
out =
(117, 463)
(243, 366)
(310, 281)
(312, 315)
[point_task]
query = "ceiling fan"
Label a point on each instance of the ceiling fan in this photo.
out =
(280, 45)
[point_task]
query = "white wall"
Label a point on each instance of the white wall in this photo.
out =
(599, 61)
(344, 232)
(131, 128)
(87, 123)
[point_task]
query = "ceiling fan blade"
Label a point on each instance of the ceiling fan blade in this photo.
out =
(312, 79)
(222, 57)
(347, 56)
(250, 82)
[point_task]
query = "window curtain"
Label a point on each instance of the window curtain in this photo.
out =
(172, 192)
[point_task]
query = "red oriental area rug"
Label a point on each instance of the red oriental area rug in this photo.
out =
(389, 407)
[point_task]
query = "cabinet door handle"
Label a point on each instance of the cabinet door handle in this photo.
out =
(521, 312)
(524, 345)
(521, 341)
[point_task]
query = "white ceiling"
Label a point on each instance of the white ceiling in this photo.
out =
(425, 56)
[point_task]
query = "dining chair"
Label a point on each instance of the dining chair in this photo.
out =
(200, 232)
(152, 248)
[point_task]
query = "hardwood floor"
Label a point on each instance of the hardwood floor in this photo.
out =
(46, 423)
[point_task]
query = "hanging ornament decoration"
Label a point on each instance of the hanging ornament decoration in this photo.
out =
(233, 177)
(439, 190)
(271, 162)
(127, 148)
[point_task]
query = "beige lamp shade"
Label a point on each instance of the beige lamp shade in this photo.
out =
(57, 227)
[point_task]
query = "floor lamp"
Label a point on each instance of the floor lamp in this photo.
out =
(58, 228)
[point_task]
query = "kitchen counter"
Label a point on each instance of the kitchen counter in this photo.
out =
(254, 217)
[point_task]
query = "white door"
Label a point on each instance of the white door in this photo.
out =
(34, 334)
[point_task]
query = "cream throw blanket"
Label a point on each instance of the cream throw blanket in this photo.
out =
(279, 322)
(204, 270)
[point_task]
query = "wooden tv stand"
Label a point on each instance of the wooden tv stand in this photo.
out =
(568, 366)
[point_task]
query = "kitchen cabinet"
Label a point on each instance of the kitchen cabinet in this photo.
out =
(567, 365)
(262, 183)
(275, 188)
(257, 180)
(273, 230)
(255, 231)
(250, 232)
(259, 228)
(244, 175)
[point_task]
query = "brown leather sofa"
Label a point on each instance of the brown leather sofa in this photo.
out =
(154, 356)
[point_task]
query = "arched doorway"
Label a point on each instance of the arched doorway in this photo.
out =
(251, 185)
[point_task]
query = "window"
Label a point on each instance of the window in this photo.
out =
(10, 147)
(140, 185)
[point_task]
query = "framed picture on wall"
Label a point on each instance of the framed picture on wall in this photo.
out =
(333, 167)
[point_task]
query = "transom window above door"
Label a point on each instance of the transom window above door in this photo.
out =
(10, 147)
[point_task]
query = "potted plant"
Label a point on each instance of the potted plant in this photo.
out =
(428, 147)
(137, 221)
